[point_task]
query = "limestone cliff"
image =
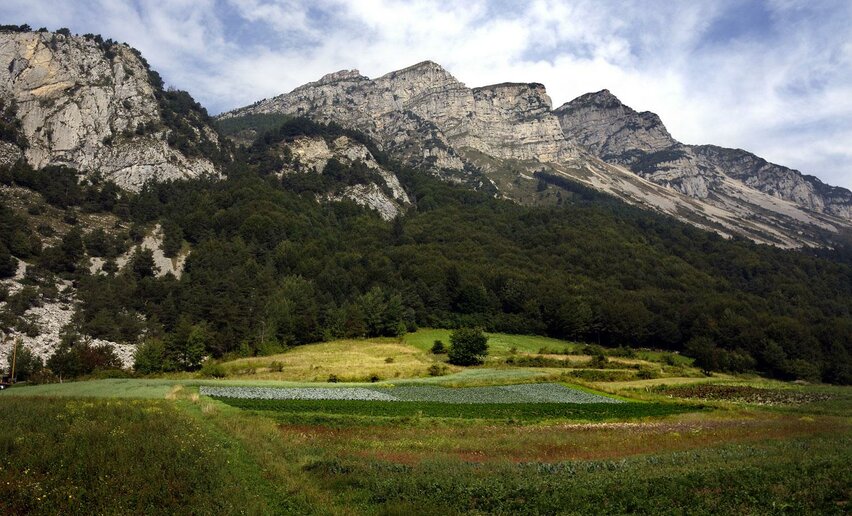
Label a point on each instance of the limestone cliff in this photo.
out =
(94, 105)
(640, 141)
(381, 190)
(423, 115)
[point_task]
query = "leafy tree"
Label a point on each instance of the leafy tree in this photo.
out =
(27, 363)
(150, 357)
(468, 347)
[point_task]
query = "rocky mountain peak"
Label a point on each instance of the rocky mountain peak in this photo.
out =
(94, 105)
(602, 123)
(342, 75)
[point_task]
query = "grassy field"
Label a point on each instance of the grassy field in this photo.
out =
(347, 360)
(679, 444)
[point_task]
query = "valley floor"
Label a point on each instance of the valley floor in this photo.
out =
(673, 445)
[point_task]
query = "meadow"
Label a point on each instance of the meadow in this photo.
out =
(493, 439)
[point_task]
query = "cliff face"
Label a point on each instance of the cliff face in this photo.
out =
(497, 138)
(384, 194)
(91, 105)
(640, 141)
(423, 115)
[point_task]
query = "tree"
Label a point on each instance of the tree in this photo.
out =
(468, 347)
(142, 263)
(438, 348)
(27, 363)
(149, 357)
(8, 265)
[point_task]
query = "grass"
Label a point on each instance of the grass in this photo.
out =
(348, 360)
(499, 344)
(188, 453)
(155, 446)
(76, 456)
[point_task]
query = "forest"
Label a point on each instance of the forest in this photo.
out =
(270, 267)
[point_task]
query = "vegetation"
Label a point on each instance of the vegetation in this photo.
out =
(525, 412)
(297, 271)
(274, 457)
(75, 456)
(468, 347)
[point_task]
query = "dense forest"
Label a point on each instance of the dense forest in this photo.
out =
(272, 267)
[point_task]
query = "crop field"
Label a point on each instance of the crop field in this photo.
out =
(522, 393)
(493, 439)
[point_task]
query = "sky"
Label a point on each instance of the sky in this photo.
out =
(773, 77)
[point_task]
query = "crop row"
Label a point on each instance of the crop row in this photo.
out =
(528, 393)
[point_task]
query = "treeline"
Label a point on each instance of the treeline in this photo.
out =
(272, 268)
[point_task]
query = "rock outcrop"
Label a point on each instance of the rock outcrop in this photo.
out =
(91, 105)
(311, 155)
(618, 134)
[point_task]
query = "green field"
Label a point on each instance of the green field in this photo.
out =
(674, 444)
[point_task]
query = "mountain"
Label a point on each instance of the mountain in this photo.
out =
(95, 105)
(640, 141)
(507, 139)
(127, 217)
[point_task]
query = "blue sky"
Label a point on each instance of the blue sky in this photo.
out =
(773, 77)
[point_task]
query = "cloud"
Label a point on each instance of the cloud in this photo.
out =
(772, 77)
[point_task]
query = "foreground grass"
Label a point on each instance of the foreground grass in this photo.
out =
(76, 456)
(189, 454)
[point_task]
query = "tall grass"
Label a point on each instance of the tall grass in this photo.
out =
(86, 456)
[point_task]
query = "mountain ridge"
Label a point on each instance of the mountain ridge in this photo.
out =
(507, 131)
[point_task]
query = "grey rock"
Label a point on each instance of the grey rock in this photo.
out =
(80, 107)
(618, 134)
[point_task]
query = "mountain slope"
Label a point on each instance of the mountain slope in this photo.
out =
(95, 106)
(496, 138)
(640, 141)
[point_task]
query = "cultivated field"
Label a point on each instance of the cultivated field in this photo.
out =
(499, 438)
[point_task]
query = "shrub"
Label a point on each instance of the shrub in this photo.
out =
(389, 360)
(646, 373)
(332, 378)
(276, 366)
(438, 348)
(43, 375)
(211, 369)
(598, 362)
(437, 370)
(468, 347)
(374, 378)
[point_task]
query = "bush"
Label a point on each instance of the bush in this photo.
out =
(598, 362)
(332, 378)
(437, 370)
(438, 348)
(646, 373)
(468, 347)
(211, 369)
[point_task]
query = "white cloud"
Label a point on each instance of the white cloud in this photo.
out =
(752, 86)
